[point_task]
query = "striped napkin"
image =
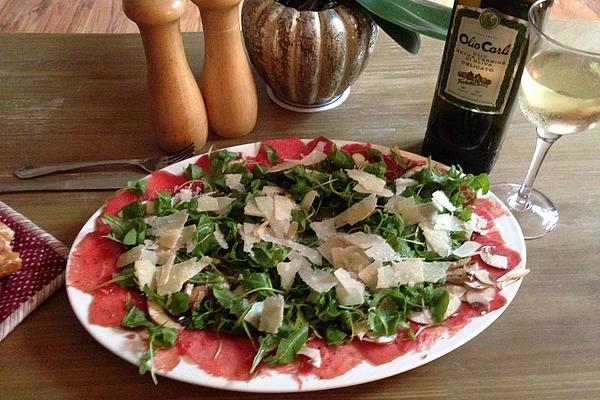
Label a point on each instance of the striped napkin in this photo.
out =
(43, 272)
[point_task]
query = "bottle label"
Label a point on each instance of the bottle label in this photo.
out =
(485, 49)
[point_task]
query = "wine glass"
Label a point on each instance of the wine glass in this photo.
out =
(560, 94)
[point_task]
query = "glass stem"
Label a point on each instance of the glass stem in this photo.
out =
(543, 143)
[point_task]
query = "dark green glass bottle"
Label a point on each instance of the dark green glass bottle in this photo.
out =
(478, 81)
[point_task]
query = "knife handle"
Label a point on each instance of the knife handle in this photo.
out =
(46, 169)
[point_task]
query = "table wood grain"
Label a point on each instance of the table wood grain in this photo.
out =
(83, 97)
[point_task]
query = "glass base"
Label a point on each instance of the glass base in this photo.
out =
(539, 217)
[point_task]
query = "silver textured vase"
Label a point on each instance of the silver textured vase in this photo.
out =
(309, 59)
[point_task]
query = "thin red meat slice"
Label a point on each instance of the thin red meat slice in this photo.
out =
(162, 181)
(335, 360)
(219, 355)
(113, 205)
(94, 261)
(310, 146)
(287, 149)
(109, 303)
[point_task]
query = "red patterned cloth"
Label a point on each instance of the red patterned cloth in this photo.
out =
(44, 261)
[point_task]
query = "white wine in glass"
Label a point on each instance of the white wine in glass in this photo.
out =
(560, 95)
(560, 91)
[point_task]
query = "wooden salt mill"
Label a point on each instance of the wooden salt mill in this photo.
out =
(227, 82)
(177, 108)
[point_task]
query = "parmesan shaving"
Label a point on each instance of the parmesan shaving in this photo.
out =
(271, 316)
(233, 181)
(323, 229)
(349, 291)
(318, 280)
(357, 211)
(411, 212)
(442, 201)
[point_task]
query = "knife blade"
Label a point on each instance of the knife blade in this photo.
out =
(106, 182)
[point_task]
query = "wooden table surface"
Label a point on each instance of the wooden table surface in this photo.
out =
(82, 97)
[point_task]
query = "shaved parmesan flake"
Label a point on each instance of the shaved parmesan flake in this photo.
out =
(491, 258)
(207, 203)
(144, 271)
(271, 191)
(283, 207)
(178, 274)
(220, 238)
(386, 277)
(287, 270)
(411, 212)
(318, 280)
(426, 318)
(369, 274)
(271, 316)
(439, 240)
(403, 183)
(309, 199)
(368, 183)
(349, 291)
(254, 313)
(311, 254)
(442, 201)
(384, 193)
(357, 211)
(160, 316)
(183, 195)
(223, 202)
(324, 229)
(186, 238)
(136, 253)
(165, 270)
(448, 222)
(466, 249)
(247, 232)
(375, 246)
(435, 271)
(313, 354)
(409, 270)
(163, 256)
(233, 182)
(169, 239)
(265, 206)
(352, 258)
(175, 221)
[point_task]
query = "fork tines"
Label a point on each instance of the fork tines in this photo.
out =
(187, 152)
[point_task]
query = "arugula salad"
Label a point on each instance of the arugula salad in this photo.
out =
(336, 245)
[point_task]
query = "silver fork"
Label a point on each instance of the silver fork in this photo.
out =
(147, 164)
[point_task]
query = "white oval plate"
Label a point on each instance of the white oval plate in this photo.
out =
(117, 341)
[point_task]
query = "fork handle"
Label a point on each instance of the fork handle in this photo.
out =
(40, 170)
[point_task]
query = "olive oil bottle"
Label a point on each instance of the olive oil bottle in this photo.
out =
(481, 68)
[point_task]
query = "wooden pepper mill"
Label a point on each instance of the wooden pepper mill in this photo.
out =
(177, 108)
(227, 81)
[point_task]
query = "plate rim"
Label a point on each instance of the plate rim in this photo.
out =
(304, 383)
